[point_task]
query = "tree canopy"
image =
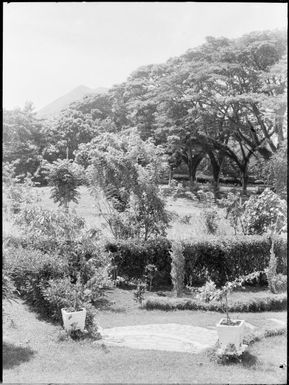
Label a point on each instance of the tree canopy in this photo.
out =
(223, 103)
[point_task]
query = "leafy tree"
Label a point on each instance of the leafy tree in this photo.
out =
(67, 132)
(24, 140)
(226, 97)
(64, 176)
(127, 171)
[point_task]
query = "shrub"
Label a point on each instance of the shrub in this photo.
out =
(261, 213)
(18, 190)
(45, 281)
(205, 292)
(234, 204)
(62, 293)
(39, 222)
(31, 271)
(211, 220)
(275, 302)
(178, 267)
(63, 234)
(8, 288)
(279, 282)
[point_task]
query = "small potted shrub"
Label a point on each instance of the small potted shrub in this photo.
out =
(231, 332)
(74, 316)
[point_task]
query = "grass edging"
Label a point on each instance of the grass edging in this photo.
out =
(258, 336)
(278, 302)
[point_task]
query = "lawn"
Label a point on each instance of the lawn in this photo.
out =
(182, 208)
(33, 352)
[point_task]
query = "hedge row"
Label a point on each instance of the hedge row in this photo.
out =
(270, 303)
(223, 258)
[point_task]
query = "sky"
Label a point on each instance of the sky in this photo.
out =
(50, 48)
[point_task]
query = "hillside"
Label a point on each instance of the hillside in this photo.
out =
(54, 108)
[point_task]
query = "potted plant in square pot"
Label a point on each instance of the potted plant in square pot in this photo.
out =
(231, 332)
(74, 316)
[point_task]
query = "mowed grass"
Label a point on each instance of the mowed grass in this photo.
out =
(181, 208)
(33, 353)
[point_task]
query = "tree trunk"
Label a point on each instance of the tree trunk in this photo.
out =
(280, 113)
(171, 174)
(244, 178)
(65, 205)
(193, 163)
(216, 173)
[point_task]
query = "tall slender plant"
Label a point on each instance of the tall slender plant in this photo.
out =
(178, 267)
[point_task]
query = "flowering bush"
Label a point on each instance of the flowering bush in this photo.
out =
(261, 213)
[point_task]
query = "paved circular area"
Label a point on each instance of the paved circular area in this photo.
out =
(168, 337)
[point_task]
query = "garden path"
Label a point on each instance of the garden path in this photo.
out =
(167, 337)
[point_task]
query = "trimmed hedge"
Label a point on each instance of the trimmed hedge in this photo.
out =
(270, 303)
(132, 256)
(223, 258)
(226, 258)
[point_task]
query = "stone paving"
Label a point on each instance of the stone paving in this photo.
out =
(168, 337)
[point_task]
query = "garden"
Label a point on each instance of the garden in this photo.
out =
(117, 271)
(56, 262)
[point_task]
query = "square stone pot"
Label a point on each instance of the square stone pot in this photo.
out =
(73, 320)
(231, 334)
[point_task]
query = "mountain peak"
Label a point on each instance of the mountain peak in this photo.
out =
(54, 108)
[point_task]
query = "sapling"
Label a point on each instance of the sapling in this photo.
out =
(139, 293)
(222, 294)
(150, 272)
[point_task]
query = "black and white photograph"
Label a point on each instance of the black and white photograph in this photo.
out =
(144, 192)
